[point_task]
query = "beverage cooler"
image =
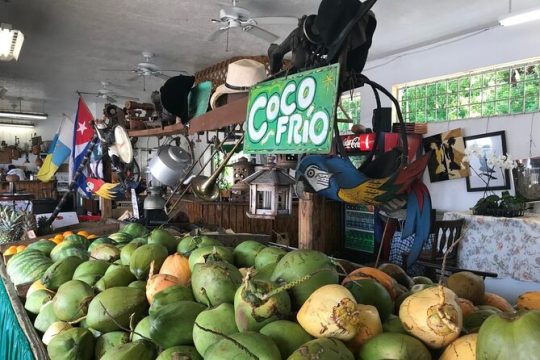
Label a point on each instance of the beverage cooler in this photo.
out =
(361, 231)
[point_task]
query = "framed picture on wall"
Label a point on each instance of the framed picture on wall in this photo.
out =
(483, 175)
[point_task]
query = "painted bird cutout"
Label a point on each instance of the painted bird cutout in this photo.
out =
(104, 189)
(336, 178)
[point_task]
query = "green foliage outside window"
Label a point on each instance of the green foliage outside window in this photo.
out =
(351, 105)
(510, 90)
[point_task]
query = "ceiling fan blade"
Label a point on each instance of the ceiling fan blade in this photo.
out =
(160, 75)
(261, 33)
(216, 34)
(126, 97)
(88, 93)
(276, 20)
(133, 78)
(117, 70)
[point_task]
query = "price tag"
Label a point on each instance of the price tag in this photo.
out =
(135, 204)
(31, 234)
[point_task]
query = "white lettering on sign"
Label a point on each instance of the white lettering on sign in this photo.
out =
(290, 125)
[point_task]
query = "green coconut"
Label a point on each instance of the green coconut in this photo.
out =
(398, 274)
(209, 322)
(246, 252)
(72, 344)
(393, 324)
(165, 238)
(71, 301)
(200, 255)
(138, 284)
(140, 240)
(171, 295)
(60, 272)
(252, 346)
(172, 324)
(473, 321)
(116, 275)
(323, 349)
(394, 346)
(468, 286)
(267, 256)
(46, 317)
(109, 341)
(287, 335)
(180, 352)
(252, 311)
(113, 308)
(312, 268)
(189, 243)
(127, 250)
(55, 329)
(215, 282)
(142, 330)
(265, 273)
(140, 350)
(143, 256)
(422, 280)
(37, 299)
(91, 271)
(371, 292)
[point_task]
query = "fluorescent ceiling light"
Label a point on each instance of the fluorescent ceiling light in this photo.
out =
(23, 115)
(11, 42)
(520, 18)
(16, 125)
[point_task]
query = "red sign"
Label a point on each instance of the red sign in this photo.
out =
(362, 142)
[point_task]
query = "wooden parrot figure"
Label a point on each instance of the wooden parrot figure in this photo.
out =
(103, 189)
(336, 178)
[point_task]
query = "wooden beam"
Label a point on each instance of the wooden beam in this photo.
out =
(230, 114)
(158, 131)
(310, 232)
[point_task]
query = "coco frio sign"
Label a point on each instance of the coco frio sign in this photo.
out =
(292, 115)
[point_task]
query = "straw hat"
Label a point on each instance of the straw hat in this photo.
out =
(241, 75)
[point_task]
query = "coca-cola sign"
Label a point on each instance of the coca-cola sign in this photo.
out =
(363, 142)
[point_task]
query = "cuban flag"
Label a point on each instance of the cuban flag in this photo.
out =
(83, 132)
(58, 151)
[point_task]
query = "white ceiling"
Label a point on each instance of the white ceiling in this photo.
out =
(67, 42)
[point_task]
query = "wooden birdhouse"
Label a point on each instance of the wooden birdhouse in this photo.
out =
(270, 192)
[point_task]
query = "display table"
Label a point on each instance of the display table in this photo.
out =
(509, 247)
(18, 338)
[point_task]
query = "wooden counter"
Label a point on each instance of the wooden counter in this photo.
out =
(232, 215)
(39, 189)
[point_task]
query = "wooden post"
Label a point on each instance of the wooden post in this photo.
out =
(106, 208)
(310, 224)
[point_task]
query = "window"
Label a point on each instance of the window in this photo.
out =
(351, 104)
(501, 90)
(264, 200)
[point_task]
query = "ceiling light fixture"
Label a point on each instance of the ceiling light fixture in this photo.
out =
(11, 42)
(520, 18)
(16, 125)
(23, 115)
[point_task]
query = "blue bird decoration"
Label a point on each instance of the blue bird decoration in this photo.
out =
(336, 178)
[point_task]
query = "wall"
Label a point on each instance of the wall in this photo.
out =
(495, 46)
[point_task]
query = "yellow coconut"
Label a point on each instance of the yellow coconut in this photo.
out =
(432, 315)
(463, 348)
(369, 326)
(330, 311)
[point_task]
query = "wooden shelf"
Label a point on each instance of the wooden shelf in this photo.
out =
(230, 114)
(158, 131)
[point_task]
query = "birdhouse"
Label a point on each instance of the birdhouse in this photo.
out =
(270, 192)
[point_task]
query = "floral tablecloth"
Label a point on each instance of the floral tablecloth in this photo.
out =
(509, 247)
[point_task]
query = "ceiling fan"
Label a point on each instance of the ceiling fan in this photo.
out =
(147, 68)
(108, 94)
(237, 17)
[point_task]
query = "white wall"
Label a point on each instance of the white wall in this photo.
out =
(495, 46)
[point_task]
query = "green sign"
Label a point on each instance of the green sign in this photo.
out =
(292, 115)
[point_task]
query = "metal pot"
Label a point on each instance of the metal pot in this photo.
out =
(170, 164)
